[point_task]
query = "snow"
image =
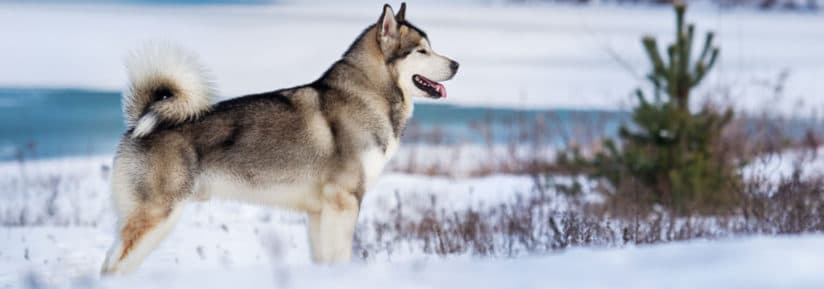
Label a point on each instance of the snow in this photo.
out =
(57, 221)
(511, 55)
(772, 168)
(58, 225)
(761, 262)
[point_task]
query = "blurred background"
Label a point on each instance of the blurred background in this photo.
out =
(571, 123)
(62, 70)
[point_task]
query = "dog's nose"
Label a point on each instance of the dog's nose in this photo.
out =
(454, 65)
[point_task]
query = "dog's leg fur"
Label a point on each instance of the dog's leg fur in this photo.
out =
(339, 215)
(313, 229)
(139, 234)
(148, 194)
(332, 229)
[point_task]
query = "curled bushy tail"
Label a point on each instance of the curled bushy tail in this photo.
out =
(167, 85)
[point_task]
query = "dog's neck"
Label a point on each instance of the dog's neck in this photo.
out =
(366, 56)
(364, 65)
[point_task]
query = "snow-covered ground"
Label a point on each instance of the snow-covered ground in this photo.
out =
(511, 55)
(57, 222)
(235, 258)
(57, 225)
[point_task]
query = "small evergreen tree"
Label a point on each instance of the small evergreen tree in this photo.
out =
(669, 155)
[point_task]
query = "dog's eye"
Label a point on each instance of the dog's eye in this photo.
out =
(422, 51)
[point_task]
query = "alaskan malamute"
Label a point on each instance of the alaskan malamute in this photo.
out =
(314, 148)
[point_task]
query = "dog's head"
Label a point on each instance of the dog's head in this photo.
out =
(415, 67)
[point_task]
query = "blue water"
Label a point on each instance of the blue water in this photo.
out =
(40, 123)
(45, 123)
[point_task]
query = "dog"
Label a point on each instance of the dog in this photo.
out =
(314, 148)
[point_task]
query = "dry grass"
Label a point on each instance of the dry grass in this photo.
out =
(531, 225)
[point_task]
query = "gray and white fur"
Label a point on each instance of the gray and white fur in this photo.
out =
(315, 148)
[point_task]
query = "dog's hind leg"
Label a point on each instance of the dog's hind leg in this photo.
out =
(141, 232)
(148, 198)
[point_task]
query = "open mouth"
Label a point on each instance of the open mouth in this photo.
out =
(433, 88)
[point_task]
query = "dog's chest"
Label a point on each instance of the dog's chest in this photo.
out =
(373, 160)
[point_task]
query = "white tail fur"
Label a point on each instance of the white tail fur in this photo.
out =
(166, 85)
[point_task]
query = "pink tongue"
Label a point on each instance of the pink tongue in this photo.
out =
(440, 88)
(435, 85)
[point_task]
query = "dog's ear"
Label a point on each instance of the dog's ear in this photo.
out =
(387, 25)
(401, 16)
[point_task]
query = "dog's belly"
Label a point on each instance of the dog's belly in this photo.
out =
(301, 196)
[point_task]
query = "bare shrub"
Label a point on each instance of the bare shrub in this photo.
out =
(533, 224)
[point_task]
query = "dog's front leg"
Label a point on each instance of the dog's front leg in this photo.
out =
(331, 230)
